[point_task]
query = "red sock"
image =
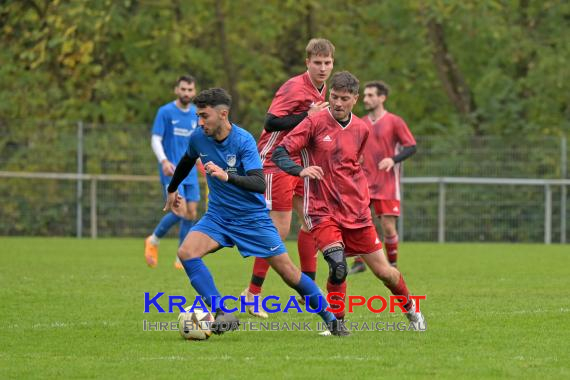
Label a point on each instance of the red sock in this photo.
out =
(359, 259)
(340, 289)
(307, 253)
(260, 269)
(391, 244)
(401, 289)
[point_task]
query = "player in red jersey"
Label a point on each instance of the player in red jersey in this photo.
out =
(297, 98)
(390, 143)
(335, 204)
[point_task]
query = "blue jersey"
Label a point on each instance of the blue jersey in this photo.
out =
(236, 154)
(175, 127)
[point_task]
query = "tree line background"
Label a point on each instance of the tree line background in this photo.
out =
(482, 84)
(482, 67)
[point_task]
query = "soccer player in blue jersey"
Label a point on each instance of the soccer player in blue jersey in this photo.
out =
(174, 124)
(237, 213)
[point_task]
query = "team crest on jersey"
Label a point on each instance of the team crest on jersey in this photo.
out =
(231, 160)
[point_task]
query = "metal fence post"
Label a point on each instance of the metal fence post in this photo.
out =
(93, 202)
(547, 214)
(401, 218)
(79, 195)
(563, 189)
(441, 213)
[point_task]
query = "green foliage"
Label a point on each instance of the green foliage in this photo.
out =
(108, 61)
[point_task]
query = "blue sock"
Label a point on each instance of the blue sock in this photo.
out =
(307, 287)
(185, 227)
(202, 281)
(165, 224)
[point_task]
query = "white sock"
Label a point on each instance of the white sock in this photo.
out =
(154, 239)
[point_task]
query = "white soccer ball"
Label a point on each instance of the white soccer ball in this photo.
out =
(195, 325)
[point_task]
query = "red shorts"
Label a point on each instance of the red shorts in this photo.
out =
(389, 207)
(279, 190)
(359, 241)
(300, 187)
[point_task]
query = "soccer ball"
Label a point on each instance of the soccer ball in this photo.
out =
(195, 325)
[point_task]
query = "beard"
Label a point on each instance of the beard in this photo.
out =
(185, 100)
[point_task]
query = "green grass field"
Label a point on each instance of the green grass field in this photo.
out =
(74, 309)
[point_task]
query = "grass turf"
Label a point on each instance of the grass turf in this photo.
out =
(74, 308)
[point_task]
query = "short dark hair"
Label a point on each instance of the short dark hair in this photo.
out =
(381, 87)
(345, 81)
(185, 78)
(213, 97)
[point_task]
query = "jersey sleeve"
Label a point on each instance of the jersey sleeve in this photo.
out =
(160, 121)
(287, 99)
(403, 133)
(191, 151)
(299, 137)
(249, 154)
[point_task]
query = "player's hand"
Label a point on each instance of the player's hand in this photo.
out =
(168, 168)
(316, 107)
(313, 172)
(173, 200)
(386, 164)
(216, 172)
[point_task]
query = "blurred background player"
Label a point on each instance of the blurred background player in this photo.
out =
(297, 98)
(237, 213)
(336, 207)
(390, 143)
(173, 125)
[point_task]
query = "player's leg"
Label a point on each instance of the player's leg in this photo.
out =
(390, 233)
(358, 266)
(278, 194)
(151, 242)
(260, 238)
(394, 281)
(207, 237)
(188, 212)
(306, 244)
(307, 289)
(282, 221)
(330, 241)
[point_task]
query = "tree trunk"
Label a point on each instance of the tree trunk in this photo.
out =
(453, 81)
(228, 65)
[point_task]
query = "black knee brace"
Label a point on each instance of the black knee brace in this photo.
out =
(338, 269)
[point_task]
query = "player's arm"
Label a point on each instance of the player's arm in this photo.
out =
(285, 123)
(182, 170)
(158, 130)
(388, 163)
(253, 181)
(293, 143)
(407, 152)
(282, 159)
(406, 139)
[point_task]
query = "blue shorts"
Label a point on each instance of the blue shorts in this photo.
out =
(190, 192)
(253, 237)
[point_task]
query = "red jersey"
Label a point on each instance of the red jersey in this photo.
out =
(294, 97)
(339, 196)
(387, 136)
